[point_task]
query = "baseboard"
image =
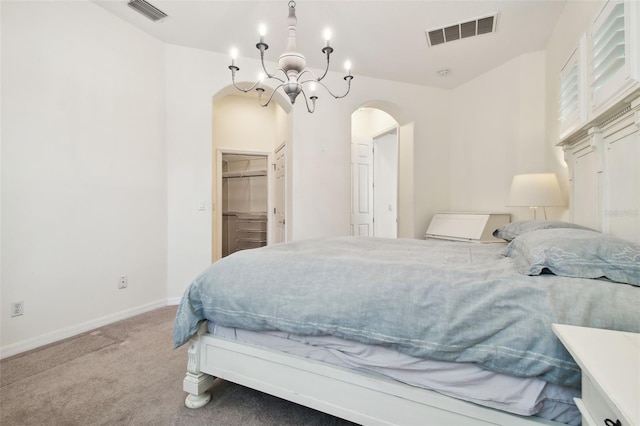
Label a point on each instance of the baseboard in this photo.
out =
(173, 301)
(52, 337)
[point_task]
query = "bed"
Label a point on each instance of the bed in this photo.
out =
(488, 308)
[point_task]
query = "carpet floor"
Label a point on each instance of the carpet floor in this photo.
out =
(128, 373)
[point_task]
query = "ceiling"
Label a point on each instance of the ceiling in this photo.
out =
(382, 39)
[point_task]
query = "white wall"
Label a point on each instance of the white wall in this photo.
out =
(503, 112)
(370, 122)
(240, 123)
(83, 170)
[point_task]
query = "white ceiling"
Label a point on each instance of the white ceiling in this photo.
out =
(382, 39)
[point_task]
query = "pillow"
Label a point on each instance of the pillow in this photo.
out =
(511, 230)
(576, 253)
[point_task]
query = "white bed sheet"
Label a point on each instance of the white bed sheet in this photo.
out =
(465, 381)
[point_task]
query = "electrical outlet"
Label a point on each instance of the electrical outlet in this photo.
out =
(122, 282)
(17, 308)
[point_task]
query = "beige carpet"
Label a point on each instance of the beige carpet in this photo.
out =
(128, 373)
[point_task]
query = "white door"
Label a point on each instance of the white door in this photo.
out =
(385, 178)
(279, 235)
(362, 186)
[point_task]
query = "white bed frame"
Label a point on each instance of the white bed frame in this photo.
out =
(604, 171)
(351, 395)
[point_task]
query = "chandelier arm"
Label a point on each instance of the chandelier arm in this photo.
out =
(283, 72)
(233, 79)
(307, 70)
(274, 73)
(326, 70)
(267, 73)
(276, 78)
(348, 78)
(306, 101)
(245, 90)
(271, 96)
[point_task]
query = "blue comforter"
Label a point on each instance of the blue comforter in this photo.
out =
(449, 301)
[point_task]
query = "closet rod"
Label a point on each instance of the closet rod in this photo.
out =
(251, 173)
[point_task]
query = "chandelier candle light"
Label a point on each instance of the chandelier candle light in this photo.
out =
(293, 66)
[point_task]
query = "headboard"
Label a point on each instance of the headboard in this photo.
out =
(604, 174)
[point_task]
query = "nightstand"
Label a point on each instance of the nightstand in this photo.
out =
(610, 363)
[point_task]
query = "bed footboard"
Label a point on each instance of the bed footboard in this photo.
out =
(348, 394)
(197, 383)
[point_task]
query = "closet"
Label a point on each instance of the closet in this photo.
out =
(244, 202)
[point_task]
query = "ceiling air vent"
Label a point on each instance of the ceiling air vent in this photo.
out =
(484, 25)
(147, 9)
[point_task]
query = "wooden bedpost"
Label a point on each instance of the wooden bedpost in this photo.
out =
(196, 383)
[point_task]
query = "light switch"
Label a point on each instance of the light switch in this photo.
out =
(201, 205)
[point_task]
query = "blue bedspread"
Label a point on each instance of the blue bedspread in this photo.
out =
(449, 301)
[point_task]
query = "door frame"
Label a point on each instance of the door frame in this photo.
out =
(395, 128)
(273, 225)
(391, 130)
(217, 226)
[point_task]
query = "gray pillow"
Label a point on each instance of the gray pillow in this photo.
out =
(511, 230)
(576, 253)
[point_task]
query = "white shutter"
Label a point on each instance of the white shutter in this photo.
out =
(615, 55)
(609, 51)
(572, 109)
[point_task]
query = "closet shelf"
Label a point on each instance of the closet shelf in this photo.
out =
(251, 240)
(246, 215)
(244, 174)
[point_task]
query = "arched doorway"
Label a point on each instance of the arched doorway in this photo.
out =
(390, 186)
(245, 138)
(374, 178)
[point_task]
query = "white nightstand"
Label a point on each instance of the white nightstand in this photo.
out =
(610, 363)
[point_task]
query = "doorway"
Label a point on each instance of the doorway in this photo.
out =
(247, 171)
(279, 230)
(244, 200)
(374, 174)
(385, 184)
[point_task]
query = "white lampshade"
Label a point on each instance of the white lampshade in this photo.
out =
(535, 190)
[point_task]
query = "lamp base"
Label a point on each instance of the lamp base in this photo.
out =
(535, 212)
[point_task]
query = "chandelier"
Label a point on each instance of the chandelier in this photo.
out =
(296, 77)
